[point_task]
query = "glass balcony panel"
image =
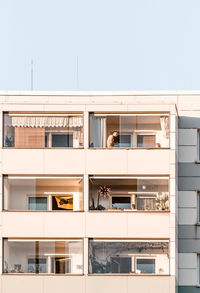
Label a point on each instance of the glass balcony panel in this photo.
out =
(129, 193)
(129, 131)
(43, 194)
(107, 256)
(43, 256)
(43, 131)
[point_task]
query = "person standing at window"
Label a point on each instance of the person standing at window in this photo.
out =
(113, 139)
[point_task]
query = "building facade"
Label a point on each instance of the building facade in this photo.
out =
(90, 192)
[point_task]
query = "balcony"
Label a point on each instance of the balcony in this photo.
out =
(33, 131)
(129, 130)
(129, 193)
(128, 256)
(32, 193)
(43, 256)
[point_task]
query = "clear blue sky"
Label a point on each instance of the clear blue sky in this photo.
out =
(120, 44)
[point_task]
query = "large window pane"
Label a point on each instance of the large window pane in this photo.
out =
(43, 193)
(37, 203)
(128, 256)
(43, 130)
(129, 193)
(129, 131)
(43, 256)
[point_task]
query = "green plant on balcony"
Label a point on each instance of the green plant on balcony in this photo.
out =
(162, 201)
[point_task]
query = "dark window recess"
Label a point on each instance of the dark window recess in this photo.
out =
(62, 140)
(125, 140)
(61, 265)
(123, 202)
(46, 141)
(120, 265)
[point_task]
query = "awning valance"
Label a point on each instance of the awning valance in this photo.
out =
(34, 121)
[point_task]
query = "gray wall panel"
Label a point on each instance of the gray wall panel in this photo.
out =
(188, 183)
(188, 122)
(189, 232)
(189, 245)
(189, 169)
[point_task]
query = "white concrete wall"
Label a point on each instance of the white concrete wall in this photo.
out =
(88, 284)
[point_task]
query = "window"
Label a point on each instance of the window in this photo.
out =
(147, 141)
(37, 203)
(128, 256)
(129, 130)
(120, 265)
(145, 265)
(121, 202)
(41, 256)
(37, 265)
(43, 193)
(43, 130)
(125, 140)
(62, 140)
(120, 193)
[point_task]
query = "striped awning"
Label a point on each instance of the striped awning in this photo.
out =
(42, 121)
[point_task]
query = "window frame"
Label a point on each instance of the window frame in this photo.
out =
(28, 196)
(143, 257)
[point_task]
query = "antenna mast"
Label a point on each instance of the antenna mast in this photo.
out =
(77, 75)
(31, 74)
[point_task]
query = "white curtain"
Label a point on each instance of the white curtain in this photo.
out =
(42, 121)
(98, 132)
(164, 122)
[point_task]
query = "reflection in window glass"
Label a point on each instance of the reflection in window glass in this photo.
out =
(129, 131)
(42, 256)
(107, 256)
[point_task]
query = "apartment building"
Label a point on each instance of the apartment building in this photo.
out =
(89, 192)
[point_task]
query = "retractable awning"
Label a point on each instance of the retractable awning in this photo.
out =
(42, 121)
